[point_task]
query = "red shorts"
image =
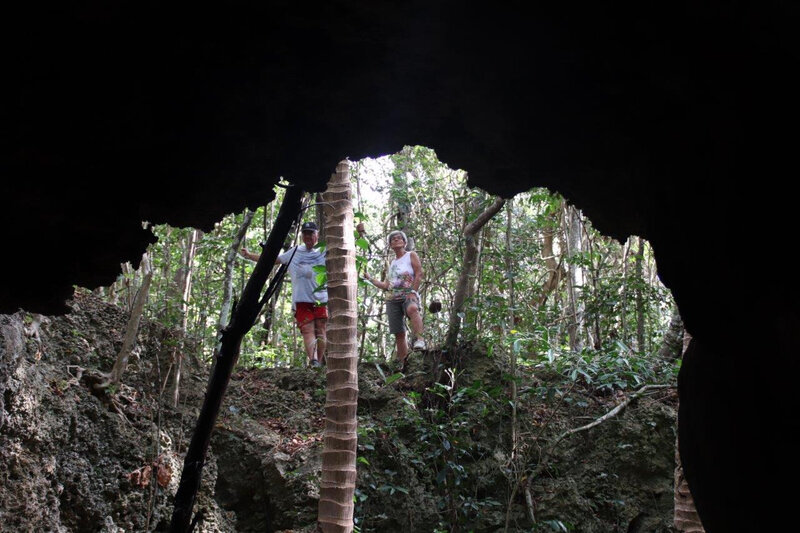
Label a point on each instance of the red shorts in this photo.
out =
(305, 312)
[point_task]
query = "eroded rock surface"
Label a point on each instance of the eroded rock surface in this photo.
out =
(76, 460)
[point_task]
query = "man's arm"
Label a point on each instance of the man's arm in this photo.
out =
(247, 254)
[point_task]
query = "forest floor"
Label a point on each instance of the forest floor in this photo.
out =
(435, 445)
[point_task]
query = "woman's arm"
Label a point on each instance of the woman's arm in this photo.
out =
(416, 264)
(380, 284)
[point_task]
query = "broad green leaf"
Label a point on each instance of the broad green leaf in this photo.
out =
(394, 377)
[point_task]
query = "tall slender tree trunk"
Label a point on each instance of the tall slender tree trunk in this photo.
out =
(477, 316)
(128, 279)
(132, 329)
(185, 290)
(367, 310)
(593, 330)
(112, 296)
(468, 269)
(338, 482)
(163, 289)
(574, 239)
(672, 344)
(187, 272)
(555, 270)
(512, 359)
(400, 183)
(230, 263)
(510, 328)
(640, 318)
(202, 316)
(319, 217)
(624, 296)
(275, 325)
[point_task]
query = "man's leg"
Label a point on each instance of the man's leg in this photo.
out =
(309, 339)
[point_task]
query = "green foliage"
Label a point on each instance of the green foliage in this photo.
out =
(438, 425)
(414, 191)
(615, 367)
(320, 277)
(443, 429)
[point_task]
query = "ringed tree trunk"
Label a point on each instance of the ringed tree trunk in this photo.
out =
(338, 482)
(685, 517)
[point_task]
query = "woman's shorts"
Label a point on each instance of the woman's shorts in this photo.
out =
(396, 310)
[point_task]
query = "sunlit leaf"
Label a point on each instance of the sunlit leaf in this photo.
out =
(394, 377)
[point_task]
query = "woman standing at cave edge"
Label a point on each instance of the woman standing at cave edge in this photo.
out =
(405, 277)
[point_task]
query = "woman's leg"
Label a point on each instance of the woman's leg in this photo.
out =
(415, 317)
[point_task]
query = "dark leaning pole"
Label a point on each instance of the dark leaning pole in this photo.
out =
(242, 319)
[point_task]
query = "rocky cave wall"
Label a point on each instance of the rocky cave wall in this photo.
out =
(672, 122)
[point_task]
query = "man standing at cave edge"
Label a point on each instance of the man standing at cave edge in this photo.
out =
(309, 300)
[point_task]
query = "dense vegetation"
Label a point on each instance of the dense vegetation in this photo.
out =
(547, 289)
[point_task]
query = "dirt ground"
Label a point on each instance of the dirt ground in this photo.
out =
(435, 448)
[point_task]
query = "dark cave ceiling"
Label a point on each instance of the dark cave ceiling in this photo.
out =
(675, 122)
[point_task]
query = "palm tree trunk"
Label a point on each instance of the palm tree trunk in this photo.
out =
(685, 517)
(340, 439)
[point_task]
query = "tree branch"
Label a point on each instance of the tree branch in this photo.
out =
(242, 319)
(473, 227)
(612, 413)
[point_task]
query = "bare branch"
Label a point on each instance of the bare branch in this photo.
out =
(612, 413)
